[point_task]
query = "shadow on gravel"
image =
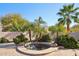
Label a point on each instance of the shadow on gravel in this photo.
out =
(8, 45)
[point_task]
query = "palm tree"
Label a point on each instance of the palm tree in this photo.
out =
(39, 29)
(67, 13)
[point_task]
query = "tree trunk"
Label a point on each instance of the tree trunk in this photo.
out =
(68, 28)
(56, 37)
(57, 34)
(30, 35)
(36, 38)
(68, 25)
(40, 35)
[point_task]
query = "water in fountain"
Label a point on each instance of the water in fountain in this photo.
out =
(37, 46)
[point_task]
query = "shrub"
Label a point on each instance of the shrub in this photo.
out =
(4, 40)
(20, 39)
(67, 42)
(45, 38)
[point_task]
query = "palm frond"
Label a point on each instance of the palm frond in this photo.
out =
(60, 13)
(76, 20)
(60, 19)
(71, 6)
(77, 13)
(73, 17)
(75, 9)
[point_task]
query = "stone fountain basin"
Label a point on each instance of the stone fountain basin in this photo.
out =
(24, 50)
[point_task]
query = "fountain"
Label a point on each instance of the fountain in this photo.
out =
(37, 48)
(37, 45)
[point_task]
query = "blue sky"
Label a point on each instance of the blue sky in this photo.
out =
(31, 11)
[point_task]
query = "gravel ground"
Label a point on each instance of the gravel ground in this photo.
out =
(10, 50)
(13, 52)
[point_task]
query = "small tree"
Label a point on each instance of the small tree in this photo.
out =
(56, 29)
(39, 29)
(13, 22)
(30, 28)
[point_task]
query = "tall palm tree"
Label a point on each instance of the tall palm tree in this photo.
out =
(36, 28)
(67, 13)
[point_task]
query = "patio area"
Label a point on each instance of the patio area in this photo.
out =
(10, 50)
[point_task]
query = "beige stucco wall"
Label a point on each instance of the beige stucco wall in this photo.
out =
(0, 27)
(9, 35)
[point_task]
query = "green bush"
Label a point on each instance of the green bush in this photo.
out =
(20, 39)
(45, 38)
(67, 41)
(4, 40)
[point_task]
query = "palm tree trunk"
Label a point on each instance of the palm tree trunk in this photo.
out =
(56, 37)
(36, 37)
(57, 34)
(30, 35)
(40, 35)
(68, 25)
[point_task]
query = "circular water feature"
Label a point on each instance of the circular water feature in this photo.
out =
(37, 46)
